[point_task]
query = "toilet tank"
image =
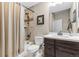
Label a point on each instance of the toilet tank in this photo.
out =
(39, 40)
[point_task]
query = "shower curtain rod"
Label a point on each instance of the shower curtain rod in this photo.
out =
(26, 7)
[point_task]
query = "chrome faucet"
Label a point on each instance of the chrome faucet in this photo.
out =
(69, 28)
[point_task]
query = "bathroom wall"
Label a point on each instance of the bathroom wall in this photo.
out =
(39, 30)
(64, 15)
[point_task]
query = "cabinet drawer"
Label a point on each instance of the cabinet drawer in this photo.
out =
(65, 52)
(48, 41)
(68, 44)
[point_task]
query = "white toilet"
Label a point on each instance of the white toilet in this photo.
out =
(34, 48)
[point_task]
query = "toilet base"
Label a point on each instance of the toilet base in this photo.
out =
(25, 54)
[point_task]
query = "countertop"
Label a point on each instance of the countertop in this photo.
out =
(65, 36)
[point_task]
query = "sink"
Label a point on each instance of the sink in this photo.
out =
(66, 36)
(72, 36)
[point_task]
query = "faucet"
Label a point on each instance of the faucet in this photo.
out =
(70, 32)
(69, 28)
(60, 33)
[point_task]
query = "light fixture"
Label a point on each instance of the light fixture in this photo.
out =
(55, 3)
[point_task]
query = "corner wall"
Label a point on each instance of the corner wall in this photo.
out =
(40, 30)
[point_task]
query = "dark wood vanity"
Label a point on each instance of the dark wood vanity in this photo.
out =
(60, 48)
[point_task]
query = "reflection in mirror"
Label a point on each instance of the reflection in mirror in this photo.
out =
(63, 17)
(78, 18)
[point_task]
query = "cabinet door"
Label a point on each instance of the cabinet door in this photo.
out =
(48, 47)
(64, 52)
(67, 49)
(49, 51)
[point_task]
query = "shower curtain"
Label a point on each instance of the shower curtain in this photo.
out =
(11, 29)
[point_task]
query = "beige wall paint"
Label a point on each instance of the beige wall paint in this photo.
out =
(39, 30)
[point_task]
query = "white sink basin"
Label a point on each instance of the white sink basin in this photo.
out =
(66, 36)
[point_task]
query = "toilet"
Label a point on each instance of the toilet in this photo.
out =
(34, 48)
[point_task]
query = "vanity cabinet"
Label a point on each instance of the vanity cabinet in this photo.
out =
(60, 48)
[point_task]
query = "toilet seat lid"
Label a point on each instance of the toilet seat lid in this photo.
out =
(33, 48)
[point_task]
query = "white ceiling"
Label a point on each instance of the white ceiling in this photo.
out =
(29, 4)
(60, 7)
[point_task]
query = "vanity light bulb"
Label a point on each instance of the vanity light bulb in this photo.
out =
(55, 3)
